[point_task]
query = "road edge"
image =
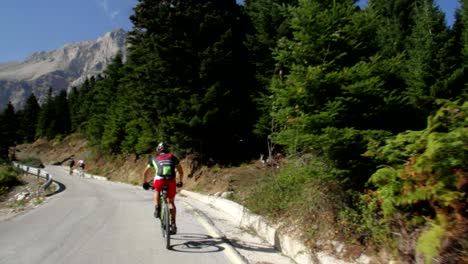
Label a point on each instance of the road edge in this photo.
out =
(232, 254)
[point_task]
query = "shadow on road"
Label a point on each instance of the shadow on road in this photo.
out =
(199, 243)
(238, 244)
(61, 188)
(196, 243)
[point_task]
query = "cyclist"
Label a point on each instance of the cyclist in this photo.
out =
(72, 163)
(166, 166)
(81, 166)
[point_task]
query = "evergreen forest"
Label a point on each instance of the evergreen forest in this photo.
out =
(368, 106)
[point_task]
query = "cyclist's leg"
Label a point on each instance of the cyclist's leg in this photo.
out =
(172, 208)
(157, 185)
(157, 203)
(171, 192)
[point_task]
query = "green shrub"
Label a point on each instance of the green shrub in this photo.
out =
(8, 178)
(32, 162)
(304, 190)
(429, 242)
(423, 180)
(362, 223)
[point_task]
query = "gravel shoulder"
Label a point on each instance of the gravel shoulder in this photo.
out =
(22, 197)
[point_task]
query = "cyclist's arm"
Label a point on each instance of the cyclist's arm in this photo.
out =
(180, 171)
(145, 174)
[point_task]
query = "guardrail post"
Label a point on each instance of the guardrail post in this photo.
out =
(47, 176)
(48, 182)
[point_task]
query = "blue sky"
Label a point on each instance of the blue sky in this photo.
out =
(28, 26)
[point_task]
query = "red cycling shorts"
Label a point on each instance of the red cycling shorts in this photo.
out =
(171, 184)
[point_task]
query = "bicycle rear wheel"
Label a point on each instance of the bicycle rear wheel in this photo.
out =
(166, 222)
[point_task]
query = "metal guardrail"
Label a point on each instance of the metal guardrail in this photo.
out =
(38, 172)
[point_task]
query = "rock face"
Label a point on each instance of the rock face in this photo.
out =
(60, 69)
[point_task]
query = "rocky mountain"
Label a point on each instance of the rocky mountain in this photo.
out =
(60, 69)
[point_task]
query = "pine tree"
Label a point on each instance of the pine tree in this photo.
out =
(54, 116)
(102, 95)
(196, 72)
(416, 32)
(339, 93)
(80, 102)
(131, 129)
(462, 23)
(394, 18)
(8, 130)
(453, 82)
(270, 23)
(74, 106)
(29, 117)
(428, 52)
(46, 118)
(320, 49)
(62, 114)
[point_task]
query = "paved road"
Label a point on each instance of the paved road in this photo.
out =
(94, 221)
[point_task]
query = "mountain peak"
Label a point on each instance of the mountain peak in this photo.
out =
(60, 69)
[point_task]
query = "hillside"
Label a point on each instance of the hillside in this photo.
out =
(129, 169)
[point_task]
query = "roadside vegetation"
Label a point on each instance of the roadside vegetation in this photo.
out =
(32, 162)
(416, 198)
(359, 115)
(9, 177)
(304, 196)
(19, 191)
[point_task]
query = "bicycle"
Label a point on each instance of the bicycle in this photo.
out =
(164, 214)
(81, 172)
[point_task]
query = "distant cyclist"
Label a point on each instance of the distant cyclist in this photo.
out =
(165, 165)
(81, 166)
(72, 163)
